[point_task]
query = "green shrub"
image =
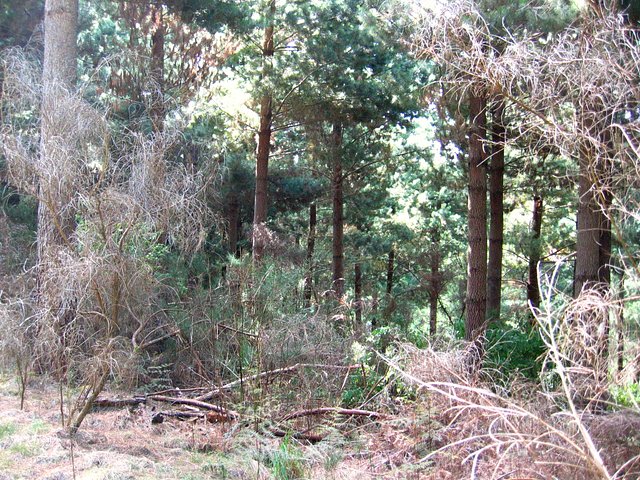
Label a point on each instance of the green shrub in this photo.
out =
(514, 350)
(287, 461)
(626, 395)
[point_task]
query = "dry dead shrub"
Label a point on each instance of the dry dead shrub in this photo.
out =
(99, 300)
(533, 431)
(582, 339)
(491, 436)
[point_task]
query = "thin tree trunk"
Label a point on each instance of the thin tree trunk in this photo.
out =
(233, 219)
(358, 296)
(311, 242)
(620, 326)
(435, 288)
(390, 268)
(433, 315)
(338, 212)
(533, 286)
(476, 302)
(157, 68)
(264, 142)
(496, 203)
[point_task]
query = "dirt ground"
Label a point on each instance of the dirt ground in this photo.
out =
(123, 444)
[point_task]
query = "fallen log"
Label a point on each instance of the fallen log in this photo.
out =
(307, 437)
(160, 416)
(125, 402)
(334, 410)
(118, 402)
(195, 403)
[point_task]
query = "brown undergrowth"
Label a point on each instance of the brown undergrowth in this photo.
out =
(525, 433)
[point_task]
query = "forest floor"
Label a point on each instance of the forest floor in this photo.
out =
(123, 444)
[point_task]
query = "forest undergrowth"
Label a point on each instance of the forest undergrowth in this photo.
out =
(249, 384)
(139, 337)
(313, 399)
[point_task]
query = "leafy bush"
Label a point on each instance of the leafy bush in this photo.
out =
(626, 395)
(514, 351)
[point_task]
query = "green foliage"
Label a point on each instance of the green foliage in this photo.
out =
(20, 209)
(215, 14)
(18, 21)
(514, 350)
(627, 396)
(287, 461)
(7, 429)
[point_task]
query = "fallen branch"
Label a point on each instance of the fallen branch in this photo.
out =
(307, 437)
(195, 403)
(180, 415)
(118, 402)
(217, 391)
(334, 410)
(124, 402)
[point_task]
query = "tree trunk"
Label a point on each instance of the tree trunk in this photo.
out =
(233, 220)
(264, 143)
(433, 315)
(157, 68)
(620, 326)
(358, 297)
(56, 217)
(435, 288)
(476, 302)
(338, 212)
(311, 242)
(60, 49)
(533, 286)
(390, 268)
(496, 203)
(589, 223)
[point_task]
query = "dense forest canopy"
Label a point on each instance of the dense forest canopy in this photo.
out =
(216, 190)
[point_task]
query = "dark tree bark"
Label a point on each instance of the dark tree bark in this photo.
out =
(476, 301)
(435, 287)
(157, 67)
(496, 205)
(311, 242)
(533, 286)
(590, 220)
(264, 143)
(358, 296)
(390, 268)
(620, 327)
(338, 211)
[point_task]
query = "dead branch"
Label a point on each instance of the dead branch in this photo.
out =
(212, 393)
(118, 402)
(336, 411)
(307, 437)
(180, 415)
(124, 402)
